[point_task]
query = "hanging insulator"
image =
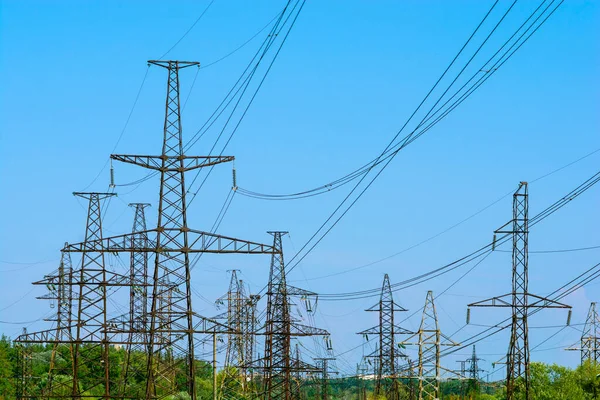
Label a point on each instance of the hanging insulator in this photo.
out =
(307, 304)
(112, 175)
(328, 343)
(468, 316)
(569, 318)
(494, 243)
(234, 175)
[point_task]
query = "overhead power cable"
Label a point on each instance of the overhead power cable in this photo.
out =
(337, 215)
(566, 199)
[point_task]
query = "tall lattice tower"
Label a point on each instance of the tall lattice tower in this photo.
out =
(430, 341)
(92, 319)
(387, 354)
(590, 339)
(172, 322)
(60, 293)
(589, 345)
(235, 300)
(280, 328)
(85, 343)
(137, 341)
(520, 299)
(474, 370)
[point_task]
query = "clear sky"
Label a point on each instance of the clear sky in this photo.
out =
(349, 75)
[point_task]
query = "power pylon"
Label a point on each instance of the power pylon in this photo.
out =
(236, 299)
(387, 353)
(519, 300)
(172, 322)
(323, 364)
(60, 294)
(297, 375)
(430, 341)
(60, 291)
(86, 342)
(249, 330)
(474, 370)
(240, 340)
(280, 328)
(138, 300)
(590, 337)
(361, 372)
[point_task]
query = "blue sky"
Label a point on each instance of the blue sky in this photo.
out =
(349, 75)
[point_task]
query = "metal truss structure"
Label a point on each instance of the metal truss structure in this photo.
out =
(589, 345)
(279, 365)
(164, 327)
(520, 300)
(387, 354)
(323, 365)
(430, 341)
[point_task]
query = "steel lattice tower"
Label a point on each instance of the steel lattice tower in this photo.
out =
(60, 290)
(61, 294)
(138, 292)
(474, 370)
(430, 340)
(279, 329)
(172, 323)
(236, 299)
(387, 354)
(517, 358)
(249, 329)
(297, 378)
(138, 300)
(92, 326)
(590, 337)
(323, 364)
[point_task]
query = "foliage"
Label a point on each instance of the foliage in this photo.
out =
(548, 382)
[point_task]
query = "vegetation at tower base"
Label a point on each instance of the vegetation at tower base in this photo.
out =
(548, 382)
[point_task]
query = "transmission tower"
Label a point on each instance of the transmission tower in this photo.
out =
(297, 375)
(138, 301)
(323, 364)
(236, 299)
(249, 332)
(86, 342)
(280, 328)
(519, 300)
(387, 353)
(172, 321)
(60, 292)
(590, 337)
(430, 341)
(474, 370)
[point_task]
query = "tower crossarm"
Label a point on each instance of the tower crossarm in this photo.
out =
(398, 330)
(294, 291)
(305, 330)
(199, 242)
(172, 164)
(533, 301)
(395, 307)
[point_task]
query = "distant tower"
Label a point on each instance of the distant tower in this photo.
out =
(280, 328)
(430, 340)
(387, 353)
(520, 299)
(590, 337)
